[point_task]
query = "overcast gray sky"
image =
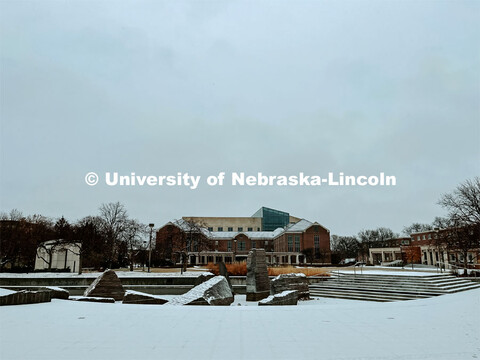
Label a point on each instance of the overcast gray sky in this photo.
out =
(279, 87)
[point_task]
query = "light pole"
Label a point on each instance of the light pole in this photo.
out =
(234, 250)
(150, 247)
(401, 253)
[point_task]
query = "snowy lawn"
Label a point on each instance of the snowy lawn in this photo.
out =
(444, 327)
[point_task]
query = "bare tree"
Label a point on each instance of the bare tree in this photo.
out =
(463, 205)
(309, 254)
(412, 254)
(191, 239)
(373, 238)
(114, 217)
(132, 238)
(46, 250)
(89, 241)
(416, 227)
(345, 246)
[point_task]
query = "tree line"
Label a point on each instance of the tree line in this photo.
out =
(108, 240)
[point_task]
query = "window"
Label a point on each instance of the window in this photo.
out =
(250, 229)
(230, 229)
(241, 245)
(210, 229)
(220, 228)
(429, 236)
(229, 245)
(316, 229)
(424, 237)
(258, 229)
(240, 229)
(316, 242)
(297, 243)
(290, 242)
(254, 245)
(418, 237)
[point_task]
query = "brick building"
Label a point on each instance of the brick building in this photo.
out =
(430, 247)
(286, 239)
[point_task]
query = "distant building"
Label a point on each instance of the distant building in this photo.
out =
(265, 219)
(391, 251)
(285, 238)
(57, 255)
(430, 248)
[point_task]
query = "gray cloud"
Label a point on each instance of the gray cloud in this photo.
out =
(162, 87)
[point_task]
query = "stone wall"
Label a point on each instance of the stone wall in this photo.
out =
(289, 297)
(25, 297)
(294, 281)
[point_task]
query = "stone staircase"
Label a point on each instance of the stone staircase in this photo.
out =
(378, 287)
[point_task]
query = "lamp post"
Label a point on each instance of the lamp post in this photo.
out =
(150, 247)
(401, 253)
(234, 250)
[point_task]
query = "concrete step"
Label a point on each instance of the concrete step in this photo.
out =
(464, 288)
(362, 295)
(410, 285)
(406, 287)
(395, 278)
(391, 276)
(351, 297)
(427, 293)
(455, 282)
(372, 287)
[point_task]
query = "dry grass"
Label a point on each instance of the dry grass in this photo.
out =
(240, 269)
(236, 269)
(275, 271)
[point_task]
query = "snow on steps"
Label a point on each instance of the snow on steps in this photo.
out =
(373, 287)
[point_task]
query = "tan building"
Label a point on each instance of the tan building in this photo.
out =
(265, 219)
(227, 223)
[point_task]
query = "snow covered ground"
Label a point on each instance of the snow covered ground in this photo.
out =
(444, 327)
(388, 271)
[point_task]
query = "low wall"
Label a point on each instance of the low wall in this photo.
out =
(25, 297)
(167, 285)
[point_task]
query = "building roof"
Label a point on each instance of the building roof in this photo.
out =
(302, 226)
